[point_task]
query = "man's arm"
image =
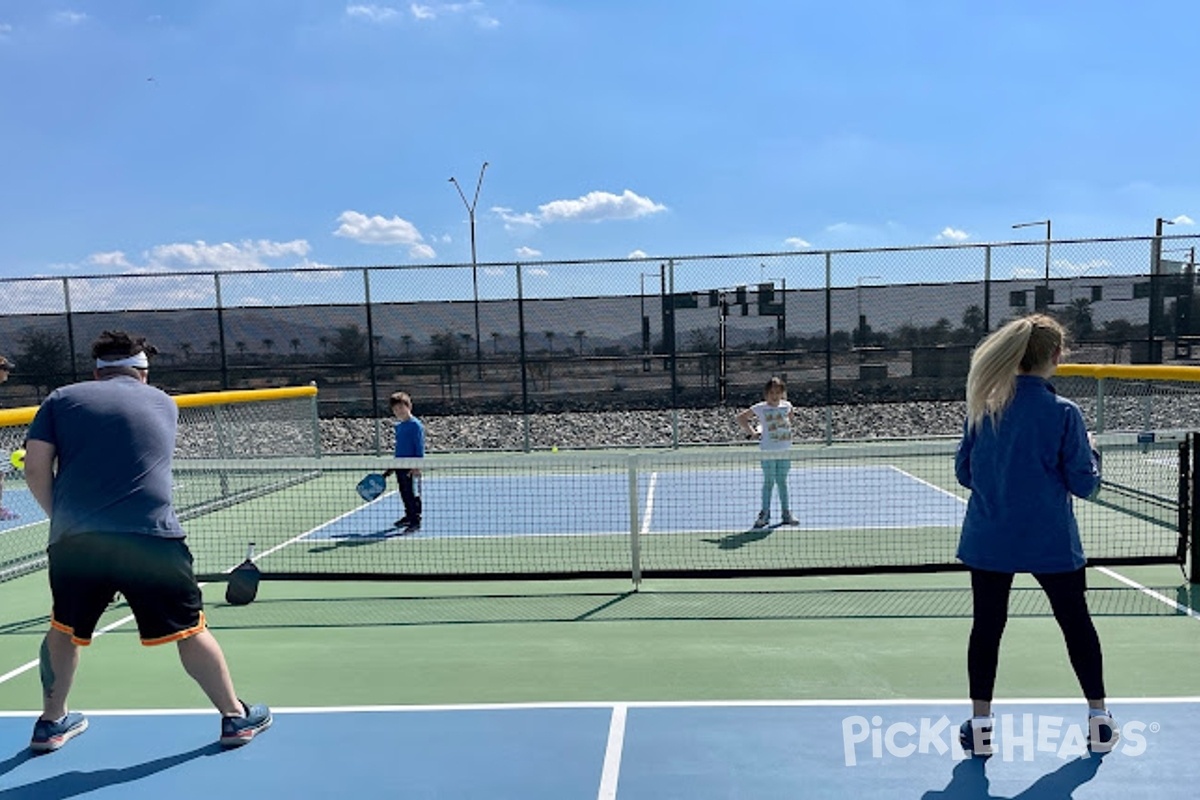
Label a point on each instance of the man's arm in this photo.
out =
(39, 472)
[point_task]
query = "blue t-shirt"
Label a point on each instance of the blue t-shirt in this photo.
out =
(1022, 474)
(114, 440)
(410, 439)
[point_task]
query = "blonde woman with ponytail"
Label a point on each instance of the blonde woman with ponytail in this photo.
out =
(1024, 453)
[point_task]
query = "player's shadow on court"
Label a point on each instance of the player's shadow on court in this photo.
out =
(969, 781)
(735, 540)
(359, 539)
(74, 784)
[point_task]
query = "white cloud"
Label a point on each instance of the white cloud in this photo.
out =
(493, 272)
(372, 13)
(200, 255)
(538, 271)
(513, 220)
(796, 243)
(422, 12)
(952, 234)
(638, 254)
(1184, 219)
(5, 28)
(1075, 268)
(598, 206)
(70, 17)
(591, 207)
(380, 230)
(115, 260)
(527, 252)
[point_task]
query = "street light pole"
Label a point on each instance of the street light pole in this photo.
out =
(1045, 222)
(474, 264)
(858, 296)
(1154, 319)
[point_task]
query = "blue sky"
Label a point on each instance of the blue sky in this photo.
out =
(222, 134)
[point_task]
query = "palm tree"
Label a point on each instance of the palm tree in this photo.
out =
(407, 339)
(324, 342)
(495, 343)
(269, 344)
(550, 341)
(214, 346)
(579, 337)
(186, 347)
(295, 343)
(241, 348)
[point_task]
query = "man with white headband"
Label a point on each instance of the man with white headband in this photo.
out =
(98, 460)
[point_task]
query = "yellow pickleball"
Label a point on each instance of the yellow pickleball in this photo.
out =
(18, 458)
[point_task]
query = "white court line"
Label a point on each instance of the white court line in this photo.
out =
(612, 754)
(649, 514)
(26, 667)
(1149, 592)
(933, 486)
(651, 704)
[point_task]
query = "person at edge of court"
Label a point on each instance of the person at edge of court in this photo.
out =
(98, 462)
(6, 513)
(410, 443)
(1024, 452)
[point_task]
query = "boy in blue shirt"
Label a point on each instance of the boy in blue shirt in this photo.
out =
(410, 443)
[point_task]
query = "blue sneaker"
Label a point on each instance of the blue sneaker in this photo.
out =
(49, 735)
(237, 731)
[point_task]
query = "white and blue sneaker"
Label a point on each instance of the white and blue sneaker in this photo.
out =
(49, 735)
(1103, 733)
(237, 731)
(975, 736)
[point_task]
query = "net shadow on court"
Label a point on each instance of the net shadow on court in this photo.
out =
(835, 604)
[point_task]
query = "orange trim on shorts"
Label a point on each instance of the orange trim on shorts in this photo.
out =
(178, 636)
(69, 631)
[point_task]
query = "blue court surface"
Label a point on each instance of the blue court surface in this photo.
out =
(758, 751)
(27, 509)
(671, 502)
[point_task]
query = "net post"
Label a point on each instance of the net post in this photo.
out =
(1193, 525)
(1184, 517)
(316, 422)
(635, 540)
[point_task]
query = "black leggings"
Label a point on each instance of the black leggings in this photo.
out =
(1066, 593)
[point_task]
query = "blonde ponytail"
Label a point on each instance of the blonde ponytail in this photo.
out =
(1023, 345)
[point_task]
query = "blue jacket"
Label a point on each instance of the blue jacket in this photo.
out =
(410, 439)
(1022, 474)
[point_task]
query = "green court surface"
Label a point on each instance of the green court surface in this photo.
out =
(869, 637)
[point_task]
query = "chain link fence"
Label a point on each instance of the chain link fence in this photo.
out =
(844, 327)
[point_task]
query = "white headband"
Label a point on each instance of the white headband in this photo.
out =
(138, 361)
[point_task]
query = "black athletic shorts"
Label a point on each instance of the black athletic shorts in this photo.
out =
(152, 573)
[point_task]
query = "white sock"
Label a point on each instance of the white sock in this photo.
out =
(1097, 712)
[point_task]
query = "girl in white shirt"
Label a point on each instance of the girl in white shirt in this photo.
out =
(774, 415)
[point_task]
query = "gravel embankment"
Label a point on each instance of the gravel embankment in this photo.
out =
(714, 426)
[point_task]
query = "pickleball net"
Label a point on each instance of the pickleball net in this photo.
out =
(260, 423)
(859, 508)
